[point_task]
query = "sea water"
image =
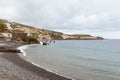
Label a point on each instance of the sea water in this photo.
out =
(78, 59)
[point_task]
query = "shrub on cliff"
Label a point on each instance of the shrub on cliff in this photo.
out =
(55, 35)
(2, 27)
(33, 36)
(29, 40)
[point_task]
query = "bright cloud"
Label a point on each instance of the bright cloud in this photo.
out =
(69, 16)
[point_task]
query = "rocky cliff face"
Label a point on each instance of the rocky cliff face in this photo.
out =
(38, 33)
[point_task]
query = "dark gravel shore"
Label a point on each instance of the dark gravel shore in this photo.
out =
(13, 67)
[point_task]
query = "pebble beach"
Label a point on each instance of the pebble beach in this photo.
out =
(13, 67)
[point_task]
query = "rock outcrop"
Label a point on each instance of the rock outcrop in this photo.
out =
(31, 41)
(5, 49)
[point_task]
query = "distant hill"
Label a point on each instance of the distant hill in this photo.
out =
(8, 26)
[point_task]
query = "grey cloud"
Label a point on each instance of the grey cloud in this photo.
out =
(69, 16)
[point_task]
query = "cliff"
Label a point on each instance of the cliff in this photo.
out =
(37, 33)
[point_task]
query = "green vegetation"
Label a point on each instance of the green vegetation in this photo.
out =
(52, 34)
(2, 27)
(45, 32)
(81, 35)
(13, 25)
(35, 36)
(55, 35)
(0, 33)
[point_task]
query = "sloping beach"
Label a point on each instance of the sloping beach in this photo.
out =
(13, 67)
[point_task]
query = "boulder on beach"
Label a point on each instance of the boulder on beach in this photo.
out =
(5, 49)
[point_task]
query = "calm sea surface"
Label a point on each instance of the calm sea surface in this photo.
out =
(79, 59)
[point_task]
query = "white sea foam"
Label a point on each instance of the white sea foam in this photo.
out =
(35, 64)
(22, 48)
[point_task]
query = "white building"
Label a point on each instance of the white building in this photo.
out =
(7, 35)
(8, 26)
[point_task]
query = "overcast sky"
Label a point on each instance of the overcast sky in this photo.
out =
(96, 17)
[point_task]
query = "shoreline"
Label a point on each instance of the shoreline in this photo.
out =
(21, 48)
(34, 72)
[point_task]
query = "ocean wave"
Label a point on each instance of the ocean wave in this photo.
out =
(22, 48)
(35, 64)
